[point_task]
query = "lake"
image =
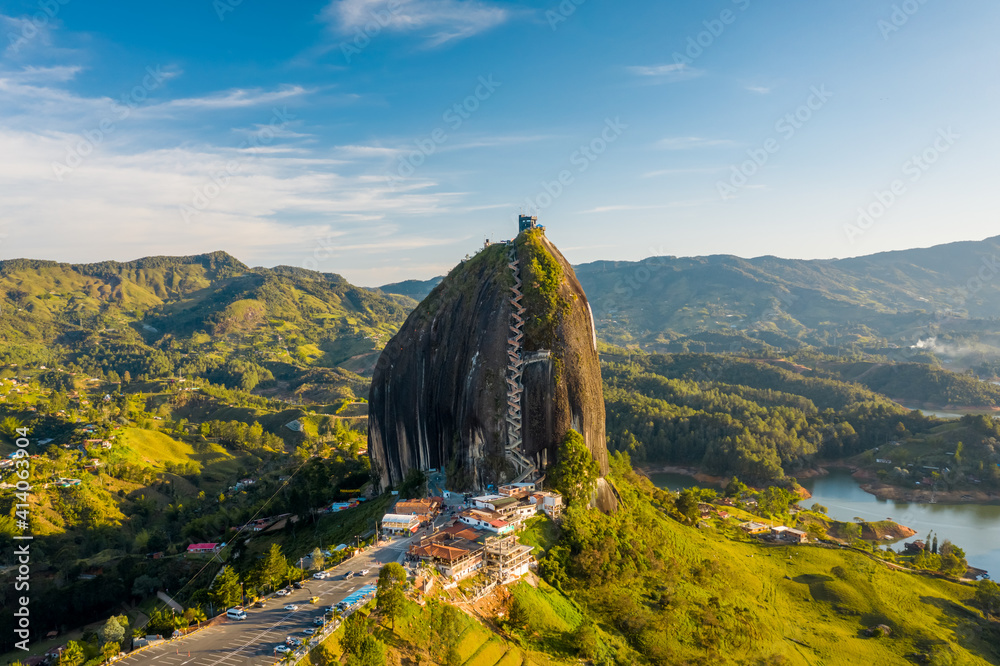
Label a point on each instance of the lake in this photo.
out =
(973, 527)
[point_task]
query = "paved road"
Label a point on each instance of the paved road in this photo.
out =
(252, 641)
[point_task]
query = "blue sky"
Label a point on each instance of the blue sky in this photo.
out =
(384, 140)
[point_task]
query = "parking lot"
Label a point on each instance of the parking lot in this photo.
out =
(252, 642)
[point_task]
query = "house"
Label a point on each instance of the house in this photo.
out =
(204, 548)
(457, 554)
(512, 489)
(484, 519)
(914, 547)
(549, 503)
(417, 507)
(883, 461)
(754, 528)
(788, 534)
(393, 523)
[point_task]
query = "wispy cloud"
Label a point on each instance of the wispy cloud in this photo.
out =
(438, 21)
(760, 90)
(682, 171)
(665, 73)
(691, 142)
(235, 99)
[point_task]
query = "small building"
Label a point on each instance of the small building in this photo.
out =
(486, 520)
(394, 523)
(204, 548)
(755, 528)
(512, 489)
(789, 534)
(914, 547)
(548, 502)
(418, 507)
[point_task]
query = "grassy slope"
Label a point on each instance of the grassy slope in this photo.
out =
(790, 602)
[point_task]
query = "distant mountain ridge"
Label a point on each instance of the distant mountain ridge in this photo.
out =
(891, 298)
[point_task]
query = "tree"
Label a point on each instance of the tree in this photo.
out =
(112, 631)
(72, 655)
(144, 586)
(126, 378)
(110, 649)
(195, 615)
(226, 590)
(390, 597)
(317, 559)
(371, 653)
(275, 566)
(735, 488)
(576, 472)
(586, 641)
(687, 504)
(356, 629)
(988, 596)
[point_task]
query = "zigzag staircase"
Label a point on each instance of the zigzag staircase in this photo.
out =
(515, 364)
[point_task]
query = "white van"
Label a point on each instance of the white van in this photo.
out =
(236, 614)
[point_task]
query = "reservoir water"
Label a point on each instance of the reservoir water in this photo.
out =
(973, 527)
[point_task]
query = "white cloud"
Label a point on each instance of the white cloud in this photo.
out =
(760, 90)
(681, 171)
(666, 73)
(691, 142)
(235, 99)
(439, 21)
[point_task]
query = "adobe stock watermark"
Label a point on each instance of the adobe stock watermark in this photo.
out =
(22, 581)
(900, 16)
(202, 197)
(363, 35)
(582, 159)
(561, 12)
(701, 42)
(92, 138)
(323, 251)
(913, 169)
(454, 117)
(787, 127)
(31, 26)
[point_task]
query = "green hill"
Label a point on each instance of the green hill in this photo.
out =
(887, 302)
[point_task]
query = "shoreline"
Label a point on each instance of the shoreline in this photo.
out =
(866, 481)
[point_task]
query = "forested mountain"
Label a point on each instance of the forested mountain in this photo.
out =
(944, 299)
(206, 315)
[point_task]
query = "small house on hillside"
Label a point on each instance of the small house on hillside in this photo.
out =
(204, 548)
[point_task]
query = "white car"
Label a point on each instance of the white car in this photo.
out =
(364, 572)
(308, 631)
(282, 593)
(283, 649)
(320, 575)
(291, 607)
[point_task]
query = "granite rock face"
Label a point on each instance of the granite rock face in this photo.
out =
(439, 397)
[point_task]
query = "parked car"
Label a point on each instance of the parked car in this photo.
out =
(364, 572)
(349, 574)
(282, 593)
(297, 585)
(283, 649)
(319, 621)
(259, 603)
(328, 609)
(293, 641)
(291, 607)
(308, 631)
